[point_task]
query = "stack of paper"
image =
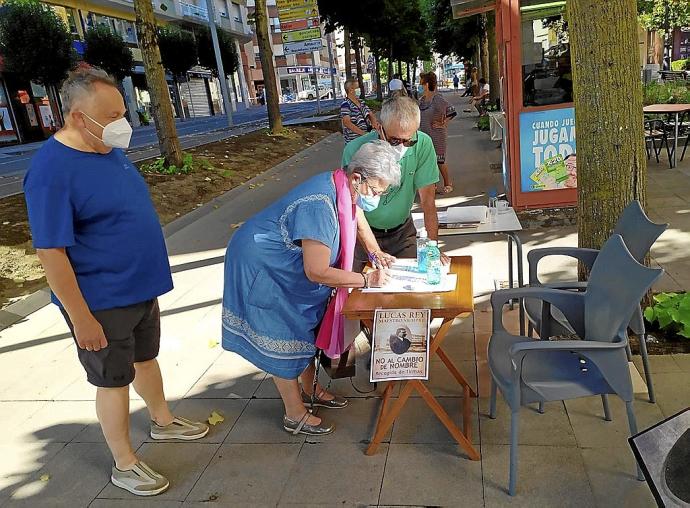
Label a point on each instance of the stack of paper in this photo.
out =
(406, 279)
(464, 215)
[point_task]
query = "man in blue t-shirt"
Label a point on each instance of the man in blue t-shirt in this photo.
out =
(100, 242)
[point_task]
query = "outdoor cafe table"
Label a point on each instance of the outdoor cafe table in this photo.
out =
(447, 306)
(670, 109)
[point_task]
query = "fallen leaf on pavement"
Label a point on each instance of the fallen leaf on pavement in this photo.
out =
(45, 477)
(215, 418)
(212, 343)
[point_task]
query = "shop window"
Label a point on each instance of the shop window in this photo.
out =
(8, 133)
(546, 66)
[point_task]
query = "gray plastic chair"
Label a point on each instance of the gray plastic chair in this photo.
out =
(527, 370)
(639, 234)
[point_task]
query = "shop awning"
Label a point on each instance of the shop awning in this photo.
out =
(464, 8)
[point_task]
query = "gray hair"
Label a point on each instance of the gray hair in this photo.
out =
(376, 159)
(401, 111)
(351, 83)
(79, 84)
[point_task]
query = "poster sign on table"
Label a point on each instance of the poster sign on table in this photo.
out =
(548, 150)
(400, 345)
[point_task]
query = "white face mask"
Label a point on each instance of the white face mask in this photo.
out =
(116, 134)
(356, 92)
(401, 149)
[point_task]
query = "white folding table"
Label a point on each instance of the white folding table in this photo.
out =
(508, 224)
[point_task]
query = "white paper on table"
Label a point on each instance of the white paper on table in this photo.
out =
(410, 265)
(411, 282)
(464, 214)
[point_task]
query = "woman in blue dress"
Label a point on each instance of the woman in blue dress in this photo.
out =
(280, 268)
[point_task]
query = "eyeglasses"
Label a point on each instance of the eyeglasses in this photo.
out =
(376, 192)
(397, 141)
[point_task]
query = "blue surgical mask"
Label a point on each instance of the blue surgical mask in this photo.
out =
(420, 89)
(368, 203)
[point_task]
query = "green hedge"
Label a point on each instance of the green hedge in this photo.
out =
(672, 92)
(681, 65)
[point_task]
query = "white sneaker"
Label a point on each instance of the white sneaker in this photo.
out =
(141, 480)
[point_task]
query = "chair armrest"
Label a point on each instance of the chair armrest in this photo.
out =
(585, 256)
(570, 303)
(579, 285)
(563, 345)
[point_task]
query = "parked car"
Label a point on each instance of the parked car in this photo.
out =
(310, 94)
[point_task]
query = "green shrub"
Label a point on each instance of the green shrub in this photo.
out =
(159, 166)
(672, 313)
(681, 65)
(672, 92)
(373, 104)
(483, 123)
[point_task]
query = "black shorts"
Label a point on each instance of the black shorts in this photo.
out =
(133, 335)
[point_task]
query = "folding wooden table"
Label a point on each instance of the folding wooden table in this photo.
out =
(448, 306)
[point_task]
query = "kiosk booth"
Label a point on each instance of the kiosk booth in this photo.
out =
(536, 99)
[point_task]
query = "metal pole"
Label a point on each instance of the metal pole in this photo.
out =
(331, 65)
(316, 79)
(219, 62)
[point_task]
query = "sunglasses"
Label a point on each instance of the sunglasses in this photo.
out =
(397, 141)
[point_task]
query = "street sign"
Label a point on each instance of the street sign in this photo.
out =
(300, 24)
(311, 70)
(301, 35)
(292, 48)
(284, 5)
(298, 13)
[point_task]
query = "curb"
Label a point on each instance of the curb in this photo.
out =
(20, 310)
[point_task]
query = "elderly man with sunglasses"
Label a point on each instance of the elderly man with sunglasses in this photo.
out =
(391, 221)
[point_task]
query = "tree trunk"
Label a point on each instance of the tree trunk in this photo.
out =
(379, 88)
(414, 76)
(485, 47)
(390, 63)
(407, 72)
(356, 44)
(348, 56)
(400, 74)
(612, 164)
(275, 122)
(158, 88)
(494, 84)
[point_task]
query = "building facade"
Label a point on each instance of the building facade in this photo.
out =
(30, 112)
(294, 73)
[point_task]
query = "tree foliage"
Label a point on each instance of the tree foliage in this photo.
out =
(228, 52)
(179, 51)
(390, 27)
(450, 37)
(34, 42)
(107, 50)
(659, 15)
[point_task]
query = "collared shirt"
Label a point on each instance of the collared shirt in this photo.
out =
(97, 207)
(418, 169)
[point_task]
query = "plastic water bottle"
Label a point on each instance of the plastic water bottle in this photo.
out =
(493, 204)
(422, 240)
(433, 263)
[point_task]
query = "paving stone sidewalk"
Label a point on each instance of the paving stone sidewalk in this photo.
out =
(52, 451)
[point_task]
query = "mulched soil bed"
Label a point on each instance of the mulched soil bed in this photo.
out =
(232, 162)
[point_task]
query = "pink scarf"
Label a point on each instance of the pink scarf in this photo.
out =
(331, 337)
